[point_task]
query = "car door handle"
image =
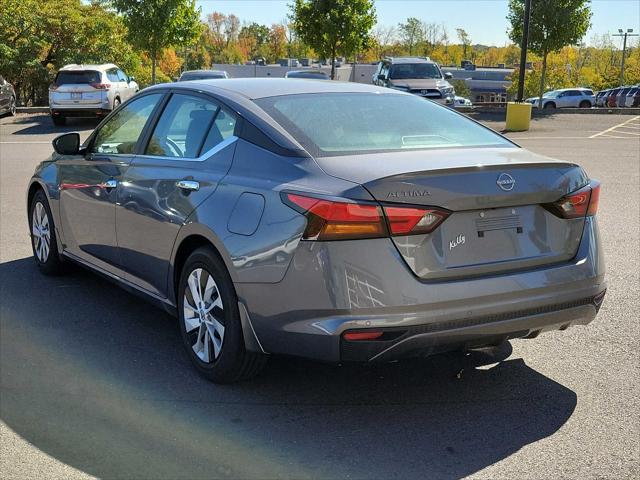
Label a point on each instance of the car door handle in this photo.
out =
(109, 184)
(188, 185)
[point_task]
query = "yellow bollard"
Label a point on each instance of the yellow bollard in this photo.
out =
(518, 116)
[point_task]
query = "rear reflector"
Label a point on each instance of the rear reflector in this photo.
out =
(412, 221)
(577, 204)
(362, 336)
(329, 220)
(346, 220)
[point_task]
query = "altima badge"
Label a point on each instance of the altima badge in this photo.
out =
(506, 182)
(458, 241)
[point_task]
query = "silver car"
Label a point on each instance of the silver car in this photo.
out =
(566, 97)
(328, 220)
(88, 91)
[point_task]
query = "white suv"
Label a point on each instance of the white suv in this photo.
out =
(88, 91)
(566, 97)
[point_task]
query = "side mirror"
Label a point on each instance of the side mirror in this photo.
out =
(67, 144)
(132, 79)
(448, 75)
(382, 76)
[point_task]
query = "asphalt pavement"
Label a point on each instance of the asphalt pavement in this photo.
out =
(94, 381)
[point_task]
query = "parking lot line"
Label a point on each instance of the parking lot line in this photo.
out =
(615, 127)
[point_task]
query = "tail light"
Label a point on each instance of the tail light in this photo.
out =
(101, 86)
(53, 86)
(336, 220)
(581, 203)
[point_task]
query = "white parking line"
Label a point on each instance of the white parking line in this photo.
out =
(615, 126)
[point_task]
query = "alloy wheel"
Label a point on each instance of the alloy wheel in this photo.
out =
(12, 106)
(40, 232)
(203, 314)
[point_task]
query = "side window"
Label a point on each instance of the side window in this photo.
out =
(121, 76)
(182, 128)
(120, 134)
(223, 128)
(112, 75)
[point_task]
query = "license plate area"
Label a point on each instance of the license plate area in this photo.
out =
(76, 95)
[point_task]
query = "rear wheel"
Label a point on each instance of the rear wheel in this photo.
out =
(43, 236)
(58, 120)
(549, 106)
(210, 321)
(116, 103)
(585, 104)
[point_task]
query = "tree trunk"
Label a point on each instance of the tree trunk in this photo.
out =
(542, 77)
(153, 68)
(333, 63)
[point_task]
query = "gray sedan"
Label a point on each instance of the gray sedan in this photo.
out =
(329, 220)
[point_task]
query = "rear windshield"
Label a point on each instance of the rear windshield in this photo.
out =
(83, 76)
(331, 124)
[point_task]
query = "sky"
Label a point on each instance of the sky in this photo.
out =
(484, 20)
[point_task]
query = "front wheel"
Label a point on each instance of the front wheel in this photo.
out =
(210, 321)
(12, 106)
(549, 106)
(43, 236)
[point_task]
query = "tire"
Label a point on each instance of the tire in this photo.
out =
(58, 120)
(549, 106)
(216, 345)
(116, 103)
(43, 236)
(585, 104)
(12, 106)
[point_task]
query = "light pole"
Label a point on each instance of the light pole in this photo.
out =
(621, 33)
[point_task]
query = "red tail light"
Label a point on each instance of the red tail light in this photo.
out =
(338, 220)
(53, 86)
(101, 86)
(412, 220)
(362, 336)
(578, 204)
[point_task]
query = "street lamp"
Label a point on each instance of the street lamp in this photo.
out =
(622, 33)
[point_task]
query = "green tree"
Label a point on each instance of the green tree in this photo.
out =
(465, 39)
(333, 26)
(157, 24)
(411, 33)
(553, 25)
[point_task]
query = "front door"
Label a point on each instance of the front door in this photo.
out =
(187, 155)
(89, 184)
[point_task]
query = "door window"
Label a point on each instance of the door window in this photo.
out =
(189, 126)
(122, 76)
(112, 75)
(120, 134)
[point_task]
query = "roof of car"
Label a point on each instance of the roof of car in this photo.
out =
(409, 60)
(102, 66)
(218, 72)
(254, 88)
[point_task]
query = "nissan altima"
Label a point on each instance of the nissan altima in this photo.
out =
(334, 221)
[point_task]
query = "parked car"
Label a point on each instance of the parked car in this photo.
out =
(601, 98)
(621, 98)
(88, 91)
(202, 75)
(308, 73)
(7, 98)
(320, 219)
(419, 76)
(566, 97)
(463, 102)
(612, 98)
(633, 97)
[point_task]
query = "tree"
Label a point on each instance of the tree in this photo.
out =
(465, 39)
(411, 33)
(553, 25)
(382, 37)
(333, 26)
(157, 24)
(277, 41)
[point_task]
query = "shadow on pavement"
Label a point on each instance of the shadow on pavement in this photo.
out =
(44, 125)
(98, 379)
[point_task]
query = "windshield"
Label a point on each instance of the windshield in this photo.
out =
(403, 71)
(86, 76)
(331, 124)
(551, 94)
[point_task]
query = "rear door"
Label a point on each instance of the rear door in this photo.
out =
(78, 87)
(89, 184)
(185, 157)
(126, 91)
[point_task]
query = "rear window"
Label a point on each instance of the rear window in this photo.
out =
(83, 76)
(588, 92)
(331, 124)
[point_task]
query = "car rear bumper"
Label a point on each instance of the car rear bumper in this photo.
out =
(337, 287)
(78, 111)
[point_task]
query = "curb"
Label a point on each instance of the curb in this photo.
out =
(560, 111)
(32, 109)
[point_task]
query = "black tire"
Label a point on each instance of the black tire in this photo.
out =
(12, 106)
(233, 363)
(549, 106)
(58, 120)
(585, 104)
(51, 264)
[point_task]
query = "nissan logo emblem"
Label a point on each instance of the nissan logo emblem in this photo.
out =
(506, 182)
